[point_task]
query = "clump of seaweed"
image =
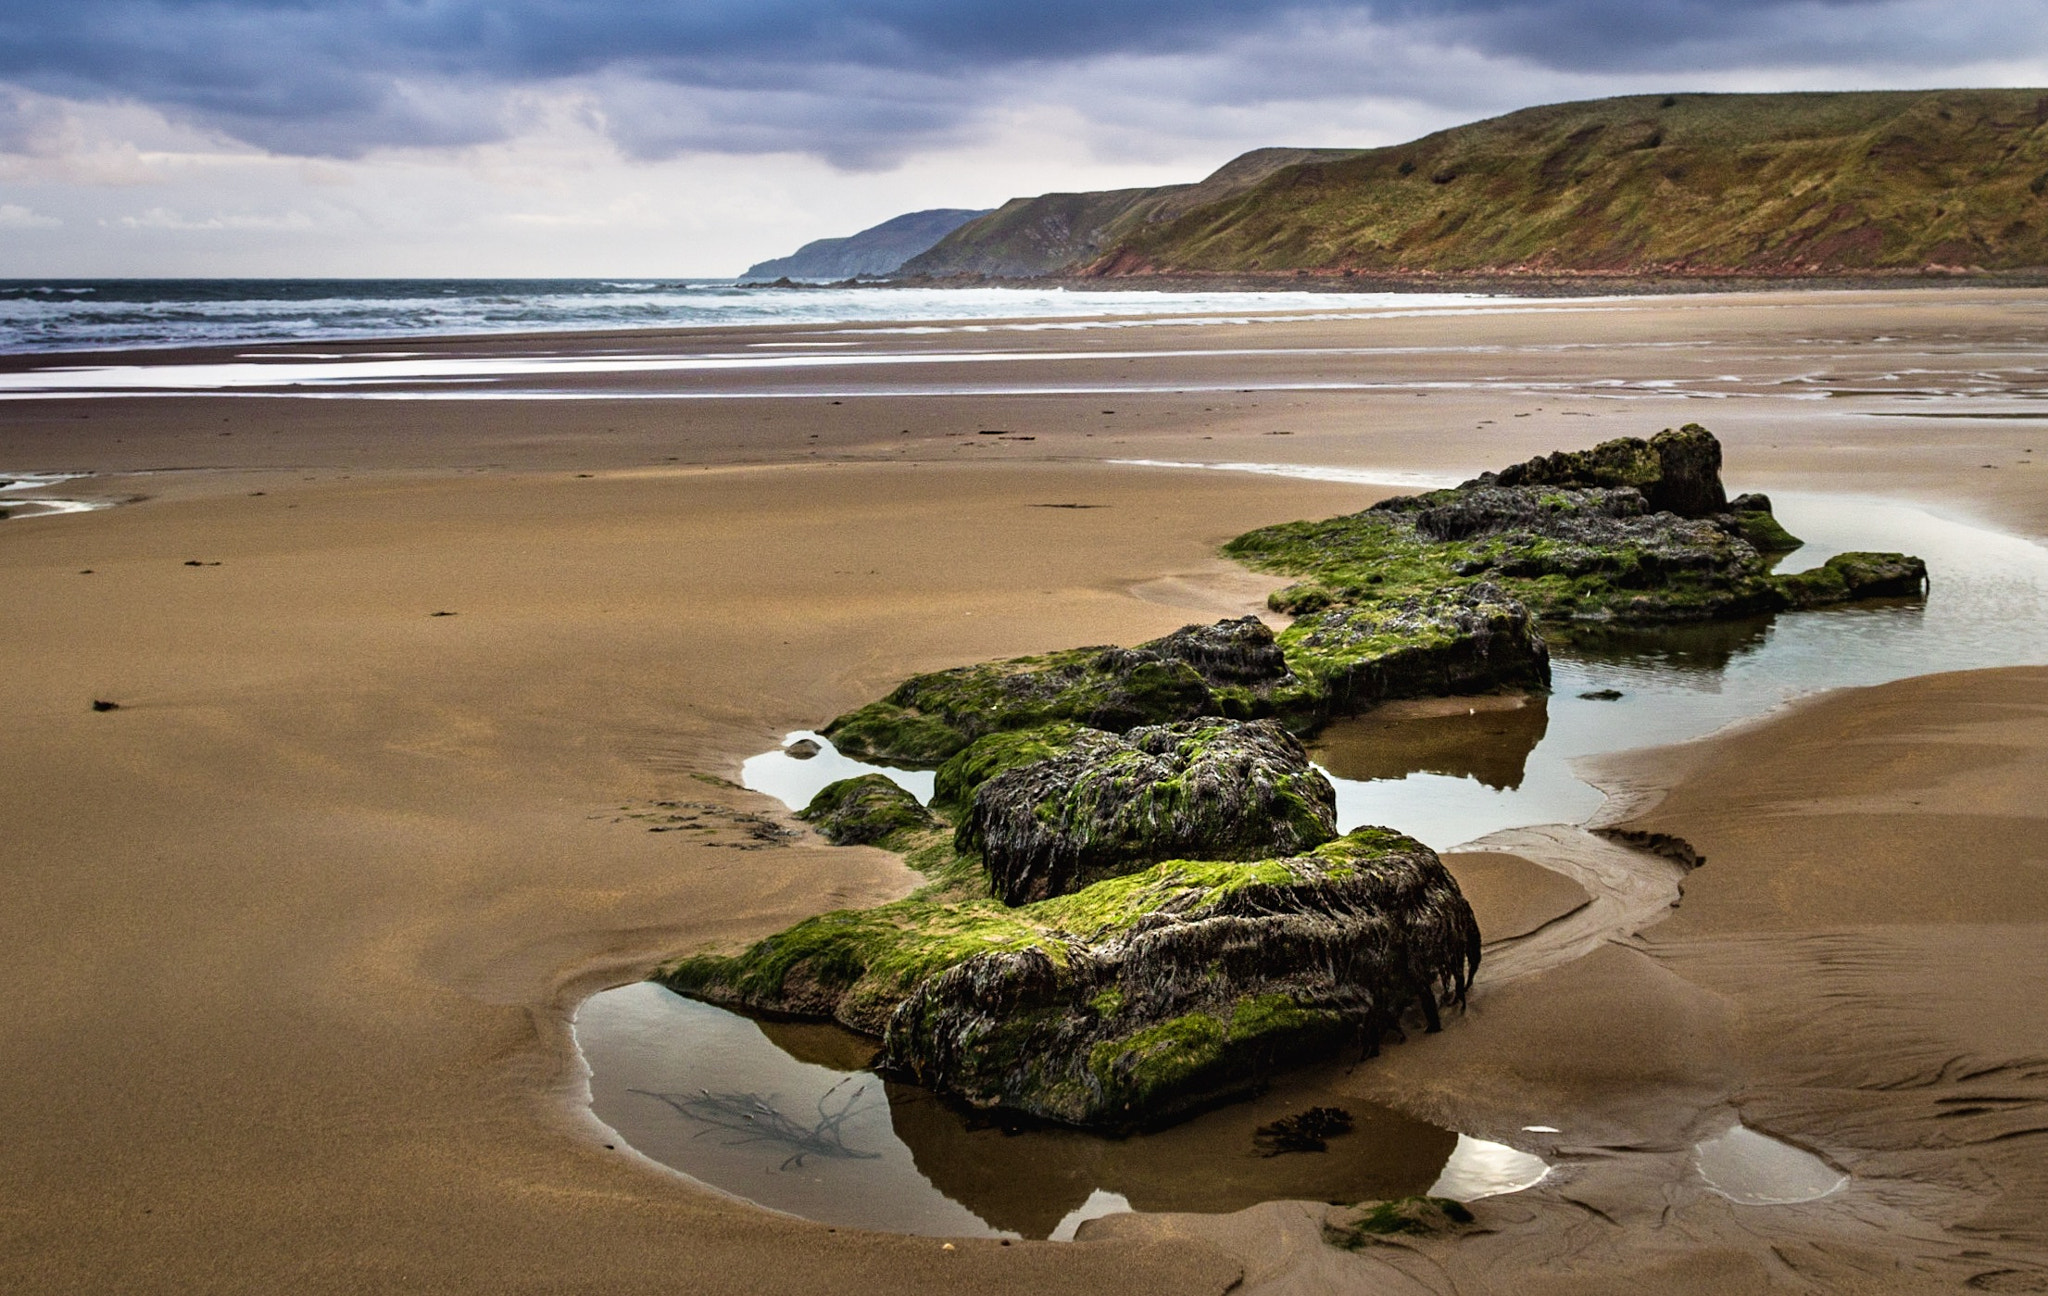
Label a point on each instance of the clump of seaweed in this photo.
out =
(756, 1119)
(1307, 1131)
(1371, 1223)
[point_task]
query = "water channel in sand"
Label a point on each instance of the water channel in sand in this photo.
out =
(786, 1115)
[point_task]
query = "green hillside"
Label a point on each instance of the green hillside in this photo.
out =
(1767, 184)
(1038, 236)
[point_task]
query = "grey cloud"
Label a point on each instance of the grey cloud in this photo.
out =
(862, 81)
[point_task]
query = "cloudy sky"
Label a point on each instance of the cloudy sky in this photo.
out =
(675, 137)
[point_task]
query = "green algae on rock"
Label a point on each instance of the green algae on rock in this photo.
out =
(1230, 668)
(1231, 972)
(867, 810)
(1436, 643)
(1629, 532)
(1106, 805)
(929, 718)
(1847, 577)
(1135, 999)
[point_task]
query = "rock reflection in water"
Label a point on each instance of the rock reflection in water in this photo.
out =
(1703, 647)
(1027, 1179)
(1487, 739)
(667, 1074)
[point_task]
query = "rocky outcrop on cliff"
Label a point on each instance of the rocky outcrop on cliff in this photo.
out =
(1109, 805)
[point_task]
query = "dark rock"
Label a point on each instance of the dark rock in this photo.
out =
(802, 749)
(1677, 471)
(864, 810)
(1223, 978)
(1199, 789)
(1850, 576)
(929, 718)
(100, 704)
(1461, 639)
(1230, 652)
(1231, 668)
(1563, 513)
(956, 781)
(1752, 519)
(1308, 1131)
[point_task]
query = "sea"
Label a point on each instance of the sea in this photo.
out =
(90, 314)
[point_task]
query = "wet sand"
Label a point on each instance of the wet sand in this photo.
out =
(294, 935)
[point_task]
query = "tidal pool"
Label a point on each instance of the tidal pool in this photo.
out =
(786, 1115)
(1753, 1169)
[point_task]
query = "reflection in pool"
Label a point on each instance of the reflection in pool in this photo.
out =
(785, 1115)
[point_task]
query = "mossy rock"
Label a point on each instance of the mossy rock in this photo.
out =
(956, 781)
(868, 810)
(1106, 805)
(1230, 973)
(1231, 668)
(1629, 533)
(1856, 575)
(1678, 470)
(930, 718)
(1759, 526)
(1094, 1008)
(1458, 639)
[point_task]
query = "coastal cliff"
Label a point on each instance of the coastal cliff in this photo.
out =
(1683, 186)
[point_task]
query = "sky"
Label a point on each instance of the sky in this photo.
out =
(693, 137)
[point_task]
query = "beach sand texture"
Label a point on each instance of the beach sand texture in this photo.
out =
(293, 937)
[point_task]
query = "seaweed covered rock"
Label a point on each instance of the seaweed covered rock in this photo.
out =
(1630, 532)
(1850, 576)
(1755, 522)
(1107, 805)
(865, 810)
(928, 718)
(1230, 972)
(956, 781)
(1136, 999)
(1230, 668)
(1677, 471)
(1458, 639)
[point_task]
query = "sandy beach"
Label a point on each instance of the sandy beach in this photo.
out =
(296, 932)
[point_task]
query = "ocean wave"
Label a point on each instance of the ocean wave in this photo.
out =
(70, 315)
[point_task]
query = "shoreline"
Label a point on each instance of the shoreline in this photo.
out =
(1534, 290)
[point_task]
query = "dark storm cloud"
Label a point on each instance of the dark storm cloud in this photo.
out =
(852, 80)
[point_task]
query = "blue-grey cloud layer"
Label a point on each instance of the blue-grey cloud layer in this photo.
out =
(855, 79)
